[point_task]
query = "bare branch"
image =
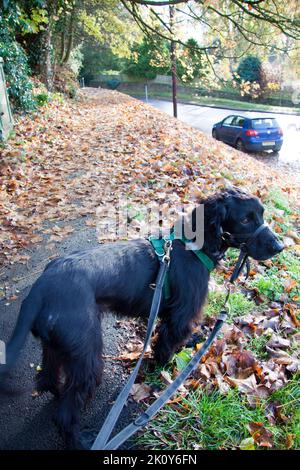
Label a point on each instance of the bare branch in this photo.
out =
(161, 3)
(147, 27)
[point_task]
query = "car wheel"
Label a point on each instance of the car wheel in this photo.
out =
(215, 134)
(240, 146)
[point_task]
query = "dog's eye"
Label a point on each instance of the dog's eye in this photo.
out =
(245, 221)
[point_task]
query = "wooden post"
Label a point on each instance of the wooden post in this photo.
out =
(173, 63)
(6, 120)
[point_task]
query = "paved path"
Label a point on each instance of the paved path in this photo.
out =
(203, 118)
(26, 422)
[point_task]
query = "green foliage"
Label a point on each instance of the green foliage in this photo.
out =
(33, 21)
(16, 20)
(98, 59)
(285, 266)
(152, 57)
(16, 69)
(250, 78)
(190, 62)
(182, 358)
(42, 98)
(109, 25)
(148, 59)
(250, 69)
(272, 283)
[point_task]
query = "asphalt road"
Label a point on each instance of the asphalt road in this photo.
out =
(203, 118)
(26, 422)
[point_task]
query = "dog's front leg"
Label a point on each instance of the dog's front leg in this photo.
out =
(172, 335)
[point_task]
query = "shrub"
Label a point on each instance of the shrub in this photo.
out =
(42, 99)
(250, 77)
(113, 83)
(16, 70)
(250, 69)
(148, 59)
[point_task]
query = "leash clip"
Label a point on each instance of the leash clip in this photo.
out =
(222, 316)
(226, 307)
(167, 248)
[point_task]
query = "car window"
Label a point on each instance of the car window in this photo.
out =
(238, 121)
(228, 121)
(264, 123)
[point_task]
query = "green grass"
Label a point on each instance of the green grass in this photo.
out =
(269, 285)
(277, 199)
(238, 304)
(272, 283)
(257, 344)
(289, 399)
(204, 420)
(291, 261)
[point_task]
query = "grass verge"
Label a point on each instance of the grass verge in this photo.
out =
(213, 102)
(210, 420)
(208, 417)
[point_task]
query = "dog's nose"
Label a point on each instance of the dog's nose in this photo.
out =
(277, 246)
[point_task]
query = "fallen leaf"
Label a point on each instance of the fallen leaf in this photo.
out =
(247, 444)
(140, 391)
(290, 439)
(277, 342)
(261, 435)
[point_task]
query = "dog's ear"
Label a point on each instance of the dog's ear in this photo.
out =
(215, 212)
(214, 216)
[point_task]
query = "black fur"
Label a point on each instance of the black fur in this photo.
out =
(65, 305)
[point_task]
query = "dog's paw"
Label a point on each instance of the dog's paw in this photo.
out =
(162, 357)
(195, 339)
(88, 436)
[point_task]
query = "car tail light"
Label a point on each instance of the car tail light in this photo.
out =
(280, 131)
(251, 132)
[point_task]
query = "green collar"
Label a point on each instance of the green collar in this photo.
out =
(158, 245)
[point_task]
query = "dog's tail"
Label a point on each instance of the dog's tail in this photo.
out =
(29, 311)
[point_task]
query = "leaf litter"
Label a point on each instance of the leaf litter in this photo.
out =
(72, 157)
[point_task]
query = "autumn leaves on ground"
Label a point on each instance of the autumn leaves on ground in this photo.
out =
(75, 156)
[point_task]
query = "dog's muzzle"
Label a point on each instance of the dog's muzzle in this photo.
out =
(269, 247)
(234, 240)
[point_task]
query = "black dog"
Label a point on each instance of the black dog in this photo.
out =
(65, 304)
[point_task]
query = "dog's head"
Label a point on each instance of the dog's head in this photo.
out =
(232, 217)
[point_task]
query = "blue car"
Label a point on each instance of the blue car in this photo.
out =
(249, 134)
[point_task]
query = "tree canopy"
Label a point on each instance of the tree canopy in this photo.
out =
(48, 35)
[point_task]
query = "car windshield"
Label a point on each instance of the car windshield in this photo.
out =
(264, 123)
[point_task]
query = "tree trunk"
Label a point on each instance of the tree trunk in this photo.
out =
(70, 37)
(45, 62)
(173, 63)
(63, 47)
